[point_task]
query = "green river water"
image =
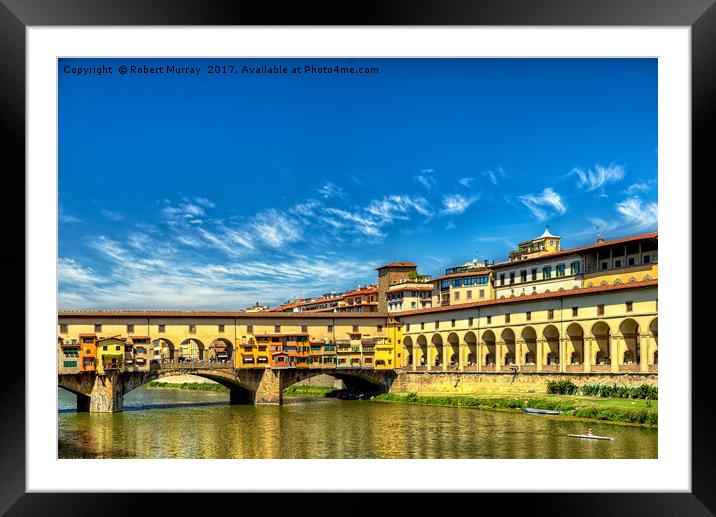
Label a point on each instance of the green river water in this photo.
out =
(177, 423)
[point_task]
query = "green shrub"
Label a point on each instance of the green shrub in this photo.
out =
(563, 387)
(645, 391)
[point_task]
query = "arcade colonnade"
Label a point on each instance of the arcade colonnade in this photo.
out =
(624, 344)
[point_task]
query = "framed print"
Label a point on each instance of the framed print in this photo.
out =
(379, 251)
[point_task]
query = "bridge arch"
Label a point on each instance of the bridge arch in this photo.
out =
(631, 353)
(164, 350)
(191, 350)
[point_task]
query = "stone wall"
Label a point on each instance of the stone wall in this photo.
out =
(322, 380)
(505, 382)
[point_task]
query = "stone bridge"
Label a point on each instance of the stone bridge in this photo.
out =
(104, 393)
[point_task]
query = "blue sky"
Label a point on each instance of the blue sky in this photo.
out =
(218, 191)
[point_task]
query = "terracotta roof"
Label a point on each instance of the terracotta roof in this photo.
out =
(531, 297)
(139, 337)
(398, 264)
(88, 335)
(548, 256)
(208, 314)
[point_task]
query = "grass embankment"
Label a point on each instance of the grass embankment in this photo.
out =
(307, 391)
(632, 411)
(198, 386)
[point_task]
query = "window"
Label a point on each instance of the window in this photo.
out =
(304, 328)
(422, 325)
(489, 320)
(104, 347)
(437, 324)
(162, 328)
(452, 323)
(550, 314)
(469, 295)
(457, 282)
(523, 275)
(629, 306)
(512, 277)
(502, 279)
(249, 329)
(507, 317)
(457, 296)
(575, 311)
(192, 329)
(69, 364)
(575, 267)
(630, 261)
(277, 328)
(470, 280)
(63, 329)
(482, 293)
(547, 272)
(600, 309)
(130, 329)
(604, 265)
(559, 270)
(528, 315)
(413, 305)
(98, 328)
(329, 328)
(380, 328)
(221, 329)
(355, 328)
(445, 284)
(618, 263)
(469, 321)
(646, 259)
(534, 274)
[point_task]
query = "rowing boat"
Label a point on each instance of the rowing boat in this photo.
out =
(590, 436)
(541, 411)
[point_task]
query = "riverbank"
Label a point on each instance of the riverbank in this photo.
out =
(197, 386)
(623, 411)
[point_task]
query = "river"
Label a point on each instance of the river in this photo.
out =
(178, 423)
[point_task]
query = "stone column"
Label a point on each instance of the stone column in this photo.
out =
(415, 356)
(518, 352)
(587, 354)
(427, 357)
(107, 394)
(446, 347)
(614, 353)
(478, 356)
(460, 356)
(644, 345)
(498, 355)
(562, 354)
(270, 388)
(540, 354)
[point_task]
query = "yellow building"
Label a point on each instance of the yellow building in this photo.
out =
(605, 328)
(410, 295)
(110, 354)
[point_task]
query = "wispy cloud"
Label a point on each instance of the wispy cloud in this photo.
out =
(112, 216)
(494, 175)
(640, 187)
(329, 190)
(598, 178)
(66, 218)
(545, 204)
(638, 214)
(456, 203)
(465, 182)
(426, 179)
(275, 229)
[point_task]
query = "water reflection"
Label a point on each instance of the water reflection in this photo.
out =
(164, 423)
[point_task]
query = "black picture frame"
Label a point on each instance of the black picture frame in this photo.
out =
(17, 15)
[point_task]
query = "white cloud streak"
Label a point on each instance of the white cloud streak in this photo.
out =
(545, 204)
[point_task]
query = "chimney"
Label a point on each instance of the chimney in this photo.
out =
(600, 239)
